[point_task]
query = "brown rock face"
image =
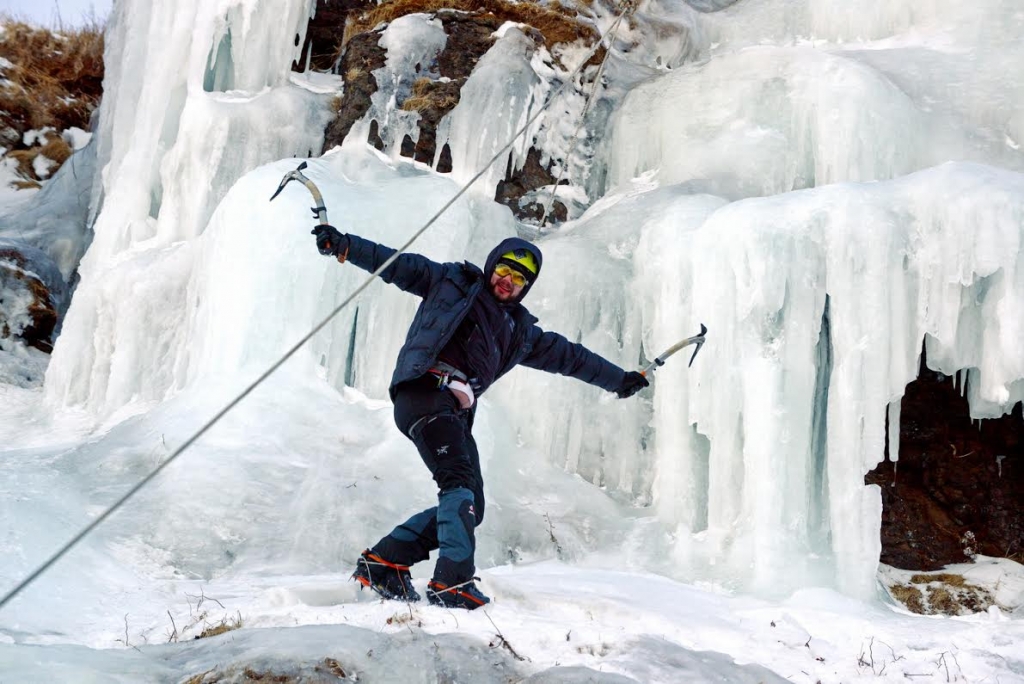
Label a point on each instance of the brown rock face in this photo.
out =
(432, 99)
(325, 31)
(361, 57)
(469, 37)
(532, 176)
(434, 94)
(958, 489)
(23, 295)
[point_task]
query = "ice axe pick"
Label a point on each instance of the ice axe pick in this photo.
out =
(320, 211)
(697, 339)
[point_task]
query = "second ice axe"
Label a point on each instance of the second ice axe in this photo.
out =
(320, 211)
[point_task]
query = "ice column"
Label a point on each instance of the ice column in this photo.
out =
(196, 94)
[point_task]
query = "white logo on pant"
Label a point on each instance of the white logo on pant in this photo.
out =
(442, 450)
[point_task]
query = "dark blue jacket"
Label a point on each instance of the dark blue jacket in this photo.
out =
(448, 291)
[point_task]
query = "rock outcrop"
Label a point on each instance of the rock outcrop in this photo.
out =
(470, 36)
(957, 487)
(28, 310)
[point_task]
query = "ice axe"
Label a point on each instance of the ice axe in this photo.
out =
(697, 339)
(320, 211)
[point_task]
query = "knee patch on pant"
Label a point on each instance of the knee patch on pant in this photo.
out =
(456, 520)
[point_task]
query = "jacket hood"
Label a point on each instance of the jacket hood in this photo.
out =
(508, 245)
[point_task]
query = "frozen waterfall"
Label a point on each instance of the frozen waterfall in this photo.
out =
(821, 186)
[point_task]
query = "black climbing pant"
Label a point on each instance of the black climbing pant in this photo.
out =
(442, 432)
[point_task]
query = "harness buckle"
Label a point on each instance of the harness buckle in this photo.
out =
(445, 373)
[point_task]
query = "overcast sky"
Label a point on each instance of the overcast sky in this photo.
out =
(48, 12)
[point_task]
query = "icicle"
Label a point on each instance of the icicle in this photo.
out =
(999, 463)
(894, 429)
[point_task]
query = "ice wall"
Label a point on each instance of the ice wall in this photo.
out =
(766, 120)
(247, 307)
(759, 491)
(956, 61)
(196, 94)
(819, 301)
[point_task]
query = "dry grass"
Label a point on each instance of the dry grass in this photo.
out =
(558, 24)
(327, 670)
(909, 596)
(56, 149)
(50, 79)
(248, 675)
(353, 74)
(427, 94)
(56, 77)
(944, 577)
(941, 593)
(417, 104)
(225, 625)
(940, 600)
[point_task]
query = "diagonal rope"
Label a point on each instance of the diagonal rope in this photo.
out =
(625, 5)
(628, 10)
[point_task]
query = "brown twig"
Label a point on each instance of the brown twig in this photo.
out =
(174, 635)
(504, 642)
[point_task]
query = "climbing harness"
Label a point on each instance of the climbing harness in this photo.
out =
(452, 379)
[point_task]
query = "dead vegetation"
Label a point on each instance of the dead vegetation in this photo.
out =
(39, 161)
(949, 578)
(910, 596)
(199, 625)
(218, 628)
(429, 94)
(50, 81)
(326, 671)
(558, 24)
(941, 594)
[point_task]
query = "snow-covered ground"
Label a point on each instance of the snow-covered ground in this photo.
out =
(278, 544)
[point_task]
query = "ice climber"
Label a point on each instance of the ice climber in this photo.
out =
(469, 330)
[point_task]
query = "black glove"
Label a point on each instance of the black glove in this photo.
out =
(329, 241)
(631, 384)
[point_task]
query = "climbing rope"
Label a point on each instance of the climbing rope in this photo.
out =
(629, 7)
(625, 6)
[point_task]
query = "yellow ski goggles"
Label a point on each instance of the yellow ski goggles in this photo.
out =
(506, 271)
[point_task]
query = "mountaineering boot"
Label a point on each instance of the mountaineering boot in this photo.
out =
(389, 580)
(464, 595)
